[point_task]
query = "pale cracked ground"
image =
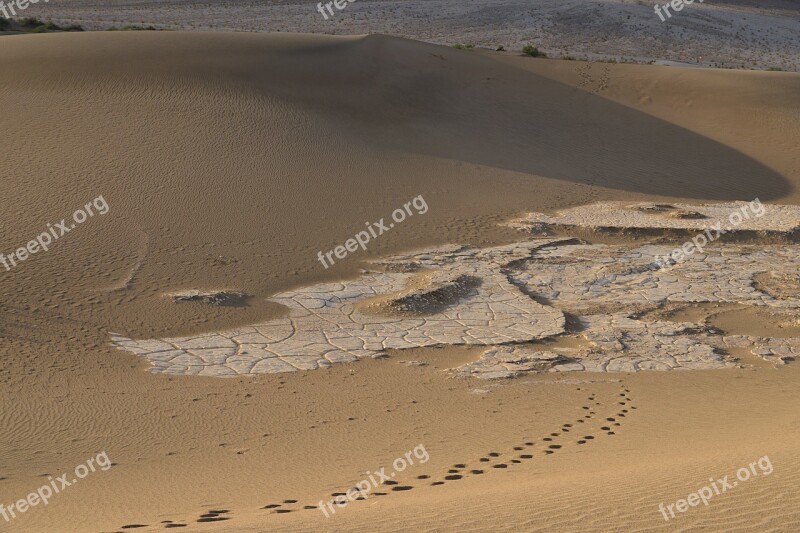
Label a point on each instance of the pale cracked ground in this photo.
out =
(509, 297)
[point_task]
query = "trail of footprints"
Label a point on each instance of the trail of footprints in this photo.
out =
(576, 432)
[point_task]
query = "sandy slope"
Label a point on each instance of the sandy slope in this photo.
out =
(230, 160)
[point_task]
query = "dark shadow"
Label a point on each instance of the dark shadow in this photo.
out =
(469, 107)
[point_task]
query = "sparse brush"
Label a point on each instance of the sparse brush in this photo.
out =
(133, 28)
(460, 46)
(4, 23)
(31, 22)
(530, 50)
(48, 26)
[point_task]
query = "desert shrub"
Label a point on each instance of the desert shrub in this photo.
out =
(49, 26)
(133, 28)
(4, 23)
(31, 22)
(464, 46)
(530, 50)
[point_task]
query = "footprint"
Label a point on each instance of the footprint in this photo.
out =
(453, 473)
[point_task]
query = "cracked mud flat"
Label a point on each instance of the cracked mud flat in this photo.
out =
(512, 298)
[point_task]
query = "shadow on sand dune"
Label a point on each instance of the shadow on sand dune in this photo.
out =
(470, 108)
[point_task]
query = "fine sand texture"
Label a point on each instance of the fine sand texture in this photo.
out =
(229, 160)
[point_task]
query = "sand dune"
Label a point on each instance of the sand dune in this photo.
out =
(229, 160)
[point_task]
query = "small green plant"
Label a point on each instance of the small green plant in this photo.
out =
(460, 46)
(530, 50)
